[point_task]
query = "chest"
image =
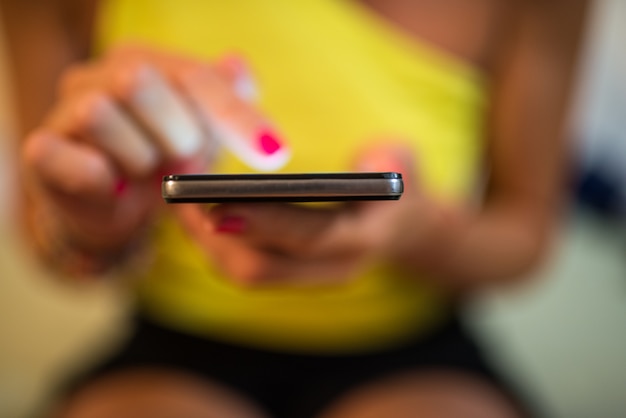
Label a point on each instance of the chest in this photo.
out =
(467, 29)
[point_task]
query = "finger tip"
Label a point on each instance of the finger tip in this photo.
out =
(386, 158)
(120, 187)
(231, 224)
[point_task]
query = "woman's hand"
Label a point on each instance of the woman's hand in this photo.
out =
(268, 243)
(119, 124)
(459, 248)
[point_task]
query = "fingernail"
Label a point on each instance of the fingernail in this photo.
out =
(231, 225)
(269, 142)
(162, 108)
(120, 187)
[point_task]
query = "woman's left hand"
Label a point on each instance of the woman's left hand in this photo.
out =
(267, 243)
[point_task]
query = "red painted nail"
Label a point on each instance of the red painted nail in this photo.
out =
(120, 187)
(269, 142)
(231, 225)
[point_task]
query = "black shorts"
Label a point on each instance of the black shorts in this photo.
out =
(296, 385)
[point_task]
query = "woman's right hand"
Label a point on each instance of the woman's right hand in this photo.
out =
(119, 124)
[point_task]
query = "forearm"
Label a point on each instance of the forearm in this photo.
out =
(43, 38)
(467, 250)
(527, 155)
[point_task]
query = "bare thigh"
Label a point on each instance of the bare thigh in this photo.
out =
(432, 395)
(156, 394)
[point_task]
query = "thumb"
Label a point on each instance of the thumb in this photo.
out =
(394, 158)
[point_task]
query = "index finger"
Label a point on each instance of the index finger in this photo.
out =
(299, 230)
(234, 122)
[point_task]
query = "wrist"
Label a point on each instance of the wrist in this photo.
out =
(67, 254)
(432, 249)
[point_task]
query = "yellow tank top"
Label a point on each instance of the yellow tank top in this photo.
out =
(333, 76)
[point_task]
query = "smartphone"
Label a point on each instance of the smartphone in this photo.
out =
(309, 187)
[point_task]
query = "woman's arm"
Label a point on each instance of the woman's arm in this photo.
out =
(532, 77)
(461, 248)
(96, 149)
(44, 37)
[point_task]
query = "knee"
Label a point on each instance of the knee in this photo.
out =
(436, 395)
(152, 393)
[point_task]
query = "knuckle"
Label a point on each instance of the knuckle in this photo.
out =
(33, 150)
(126, 78)
(248, 270)
(89, 112)
(73, 78)
(128, 51)
(304, 246)
(79, 185)
(246, 276)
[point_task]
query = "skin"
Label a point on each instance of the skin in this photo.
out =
(526, 48)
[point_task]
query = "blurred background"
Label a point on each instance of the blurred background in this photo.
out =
(562, 338)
